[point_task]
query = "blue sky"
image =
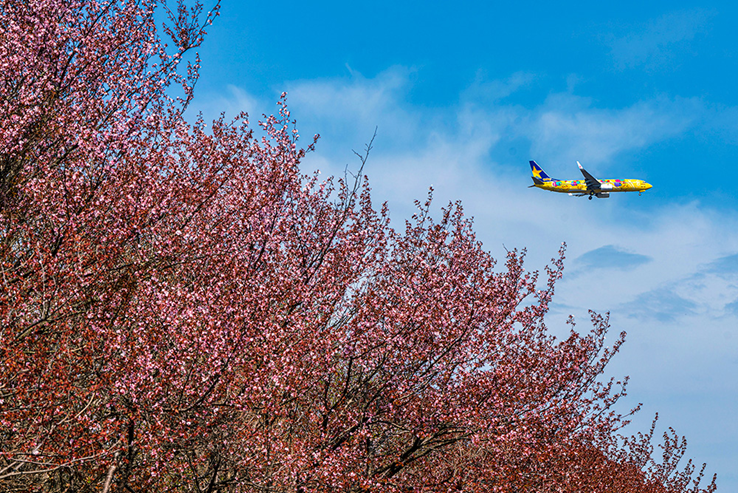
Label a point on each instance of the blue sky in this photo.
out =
(465, 93)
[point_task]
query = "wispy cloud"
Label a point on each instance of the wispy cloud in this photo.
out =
(234, 101)
(483, 90)
(727, 265)
(610, 257)
(558, 131)
(662, 304)
(348, 109)
(570, 128)
(660, 42)
(732, 308)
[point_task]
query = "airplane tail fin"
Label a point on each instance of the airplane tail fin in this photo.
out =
(538, 173)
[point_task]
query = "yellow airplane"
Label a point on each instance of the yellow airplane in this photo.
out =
(589, 186)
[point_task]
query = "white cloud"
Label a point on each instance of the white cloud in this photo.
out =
(488, 91)
(608, 257)
(567, 128)
(235, 101)
(657, 44)
(347, 110)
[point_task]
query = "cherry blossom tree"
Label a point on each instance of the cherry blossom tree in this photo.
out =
(183, 310)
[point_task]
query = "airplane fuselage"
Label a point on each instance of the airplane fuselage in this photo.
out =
(580, 186)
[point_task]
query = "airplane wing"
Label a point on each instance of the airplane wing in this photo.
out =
(592, 182)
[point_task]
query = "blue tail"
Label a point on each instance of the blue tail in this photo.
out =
(538, 173)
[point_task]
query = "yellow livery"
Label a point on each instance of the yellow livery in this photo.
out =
(589, 186)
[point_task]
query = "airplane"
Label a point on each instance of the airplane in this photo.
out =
(590, 186)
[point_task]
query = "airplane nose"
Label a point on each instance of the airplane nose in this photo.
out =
(646, 186)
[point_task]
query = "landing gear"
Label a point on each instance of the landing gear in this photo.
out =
(590, 197)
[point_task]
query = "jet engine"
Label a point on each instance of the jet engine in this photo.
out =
(604, 192)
